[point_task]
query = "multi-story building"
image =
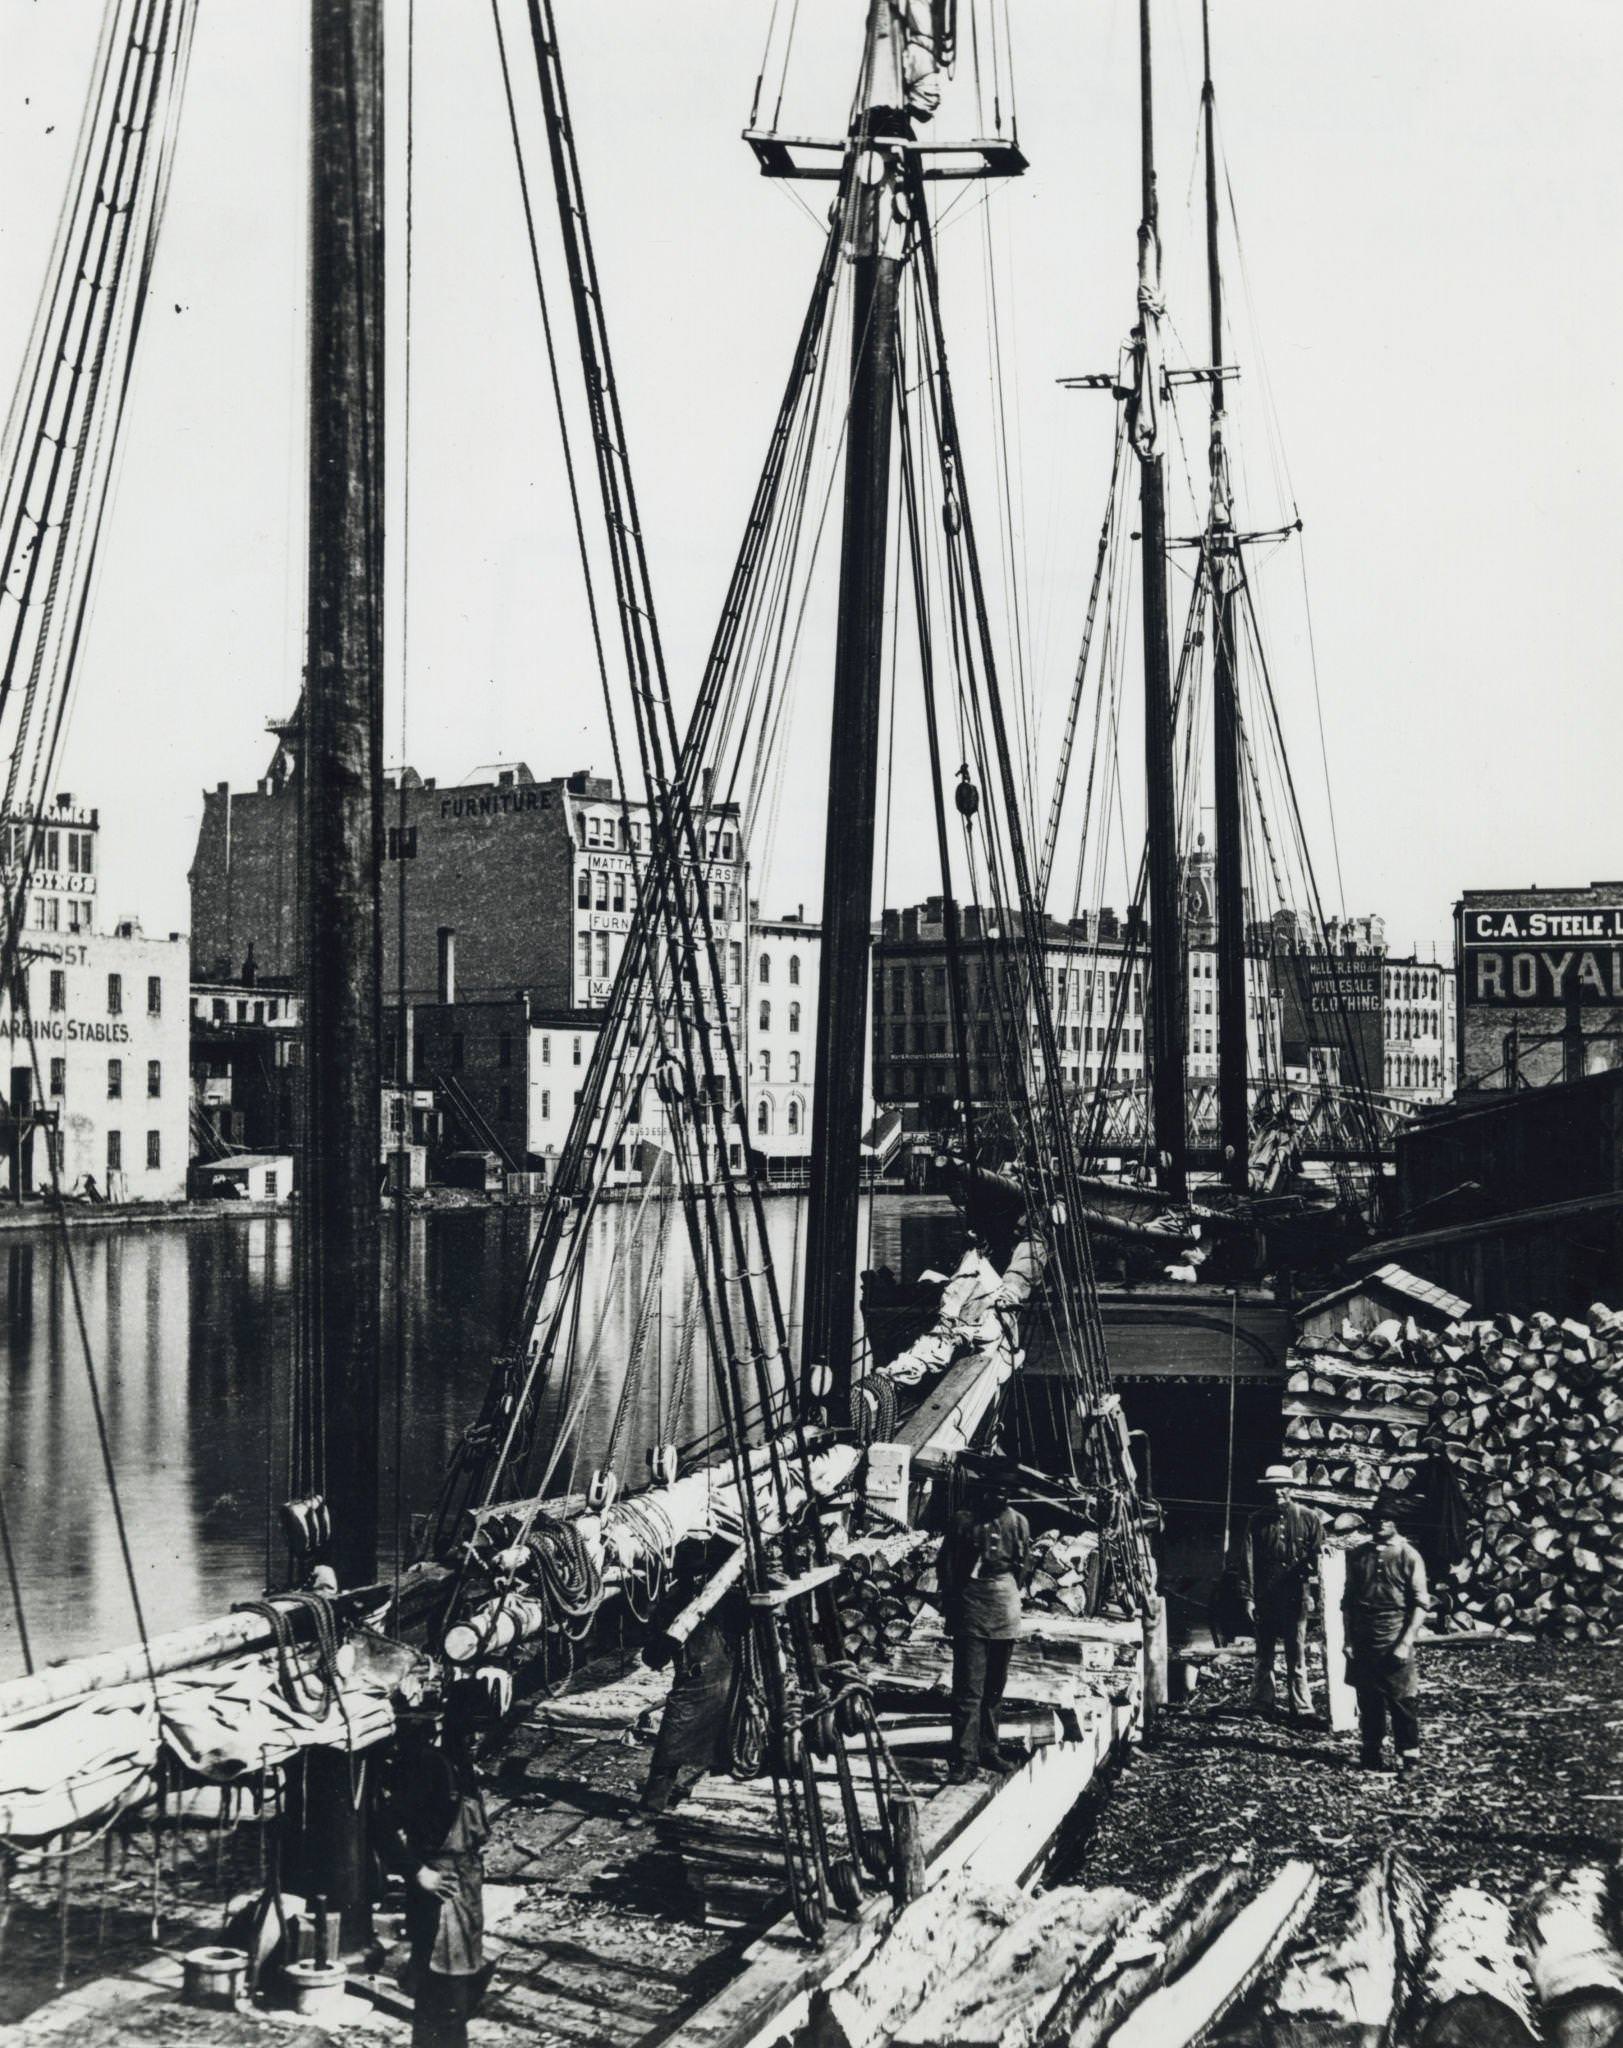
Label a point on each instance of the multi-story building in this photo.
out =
(245, 1051)
(1540, 984)
(94, 1025)
(536, 880)
(784, 953)
(1421, 1057)
(1085, 964)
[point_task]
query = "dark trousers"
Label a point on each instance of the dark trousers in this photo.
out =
(1379, 1698)
(442, 2006)
(980, 1671)
(1282, 1623)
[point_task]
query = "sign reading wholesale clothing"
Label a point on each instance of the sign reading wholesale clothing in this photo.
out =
(1335, 1001)
(1543, 959)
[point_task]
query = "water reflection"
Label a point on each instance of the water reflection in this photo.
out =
(190, 1329)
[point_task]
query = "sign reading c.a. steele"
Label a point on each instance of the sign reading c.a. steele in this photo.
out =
(1521, 958)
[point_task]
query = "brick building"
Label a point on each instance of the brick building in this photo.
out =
(104, 1015)
(245, 1051)
(1540, 984)
(534, 878)
(1084, 964)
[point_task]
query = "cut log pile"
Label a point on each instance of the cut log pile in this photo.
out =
(881, 1593)
(1065, 1574)
(1220, 1958)
(1528, 1417)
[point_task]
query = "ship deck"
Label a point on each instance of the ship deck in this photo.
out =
(619, 1929)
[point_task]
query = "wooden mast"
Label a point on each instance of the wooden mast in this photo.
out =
(878, 252)
(341, 784)
(1233, 1106)
(1167, 967)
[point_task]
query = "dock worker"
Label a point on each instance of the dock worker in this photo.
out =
(984, 1562)
(694, 1735)
(1279, 1562)
(437, 1835)
(1384, 1605)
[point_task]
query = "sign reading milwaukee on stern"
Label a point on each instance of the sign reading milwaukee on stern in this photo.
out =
(1517, 958)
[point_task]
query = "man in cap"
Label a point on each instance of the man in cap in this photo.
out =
(1278, 1563)
(1384, 1604)
(984, 1561)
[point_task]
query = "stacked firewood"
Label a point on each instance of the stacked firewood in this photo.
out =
(1528, 1414)
(1530, 1417)
(1065, 1574)
(880, 1594)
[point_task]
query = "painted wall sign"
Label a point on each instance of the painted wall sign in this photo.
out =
(1516, 957)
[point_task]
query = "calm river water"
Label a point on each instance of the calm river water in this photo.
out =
(189, 1328)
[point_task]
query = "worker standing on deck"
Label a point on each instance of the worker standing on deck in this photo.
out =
(1384, 1604)
(438, 1831)
(1279, 1562)
(984, 1562)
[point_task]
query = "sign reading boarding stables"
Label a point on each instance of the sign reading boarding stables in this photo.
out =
(1544, 959)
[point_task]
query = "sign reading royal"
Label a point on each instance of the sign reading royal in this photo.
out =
(1515, 956)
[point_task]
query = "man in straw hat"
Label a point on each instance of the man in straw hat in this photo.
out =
(1384, 1605)
(1279, 1561)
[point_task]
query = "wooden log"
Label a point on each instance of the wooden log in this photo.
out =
(1348, 1991)
(1006, 2000)
(1474, 1990)
(1153, 1946)
(1184, 2012)
(1577, 1973)
(936, 1939)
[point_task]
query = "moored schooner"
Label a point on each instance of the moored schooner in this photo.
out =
(788, 1507)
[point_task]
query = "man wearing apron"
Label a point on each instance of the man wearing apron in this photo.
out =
(439, 1831)
(982, 1566)
(1385, 1602)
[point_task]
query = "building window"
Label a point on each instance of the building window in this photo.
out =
(735, 962)
(115, 1151)
(602, 889)
(115, 1080)
(794, 1066)
(154, 1151)
(583, 955)
(577, 1052)
(583, 890)
(546, 1104)
(766, 1066)
(602, 955)
(794, 970)
(766, 1017)
(59, 1077)
(270, 1184)
(59, 989)
(794, 1016)
(217, 1010)
(794, 1119)
(619, 889)
(154, 1077)
(504, 1050)
(763, 972)
(546, 1049)
(115, 995)
(763, 1118)
(78, 914)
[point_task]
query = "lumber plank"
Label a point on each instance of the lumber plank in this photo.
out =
(1153, 1946)
(1006, 2001)
(1184, 2012)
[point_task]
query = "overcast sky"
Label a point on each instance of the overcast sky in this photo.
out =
(1430, 198)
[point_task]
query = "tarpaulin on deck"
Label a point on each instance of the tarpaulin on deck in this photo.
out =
(79, 1762)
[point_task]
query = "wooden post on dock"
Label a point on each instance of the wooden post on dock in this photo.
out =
(1155, 1662)
(907, 1874)
(1340, 1699)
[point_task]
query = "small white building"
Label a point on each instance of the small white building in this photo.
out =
(247, 1176)
(97, 1033)
(784, 957)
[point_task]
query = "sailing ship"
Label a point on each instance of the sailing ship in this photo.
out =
(838, 1458)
